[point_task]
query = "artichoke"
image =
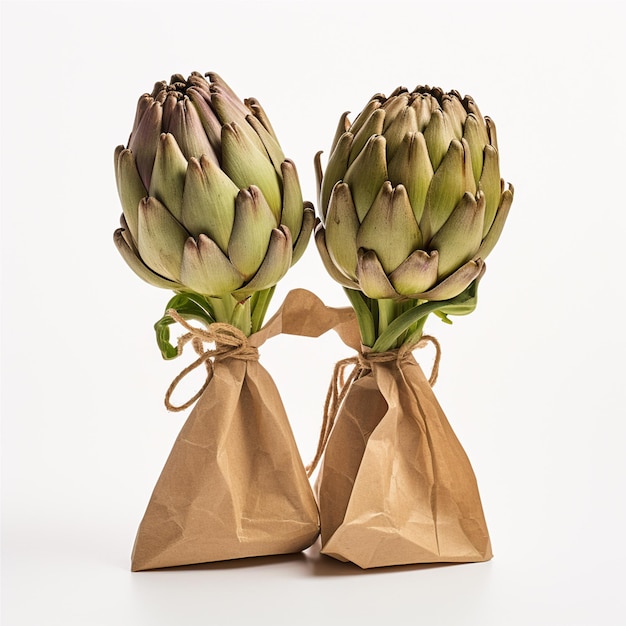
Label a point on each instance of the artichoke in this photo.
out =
(411, 204)
(210, 203)
(411, 200)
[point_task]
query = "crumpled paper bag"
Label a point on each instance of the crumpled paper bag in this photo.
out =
(395, 485)
(234, 484)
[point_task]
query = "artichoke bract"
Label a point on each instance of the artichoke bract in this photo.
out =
(412, 200)
(210, 204)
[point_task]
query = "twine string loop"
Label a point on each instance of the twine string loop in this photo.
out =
(230, 343)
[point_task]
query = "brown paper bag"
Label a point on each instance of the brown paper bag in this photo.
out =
(234, 484)
(395, 485)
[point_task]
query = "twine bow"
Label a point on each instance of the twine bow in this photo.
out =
(230, 343)
(361, 364)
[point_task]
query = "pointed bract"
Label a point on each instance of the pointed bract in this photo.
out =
(160, 239)
(438, 135)
(292, 198)
(412, 168)
(254, 222)
(206, 269)
(275, 264)
(342, 227)
(372, 278)
(208, 202)
(373, 126)
(495, 231)
(246, 165)
(168, 175)
(417, 273)
(144, 140)
(186, 126)
(454, 284)
(331, 268)
(367, 174)
(446, 190)
(137, 265)
(389, 228)
(459, 238)
(477, 139)
(129, 186)
(490, 185)
(302, 239)
(335, 170)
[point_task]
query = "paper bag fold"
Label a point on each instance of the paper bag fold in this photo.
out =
(396, 486)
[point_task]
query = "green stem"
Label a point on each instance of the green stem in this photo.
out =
(241, 317)
(259, 305)
(229, 311)
(386, 314)
(364, 316)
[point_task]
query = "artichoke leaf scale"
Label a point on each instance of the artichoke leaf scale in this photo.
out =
(160, 239)
(208, 201)
(206, 269)
(389, 228)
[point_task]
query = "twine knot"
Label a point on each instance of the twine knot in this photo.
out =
(361, 364)
(230, 343)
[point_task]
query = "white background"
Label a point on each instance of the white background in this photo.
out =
(532, 382)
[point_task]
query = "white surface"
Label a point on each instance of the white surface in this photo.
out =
(532, 382)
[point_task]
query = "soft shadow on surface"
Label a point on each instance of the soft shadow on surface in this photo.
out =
(322, 565)
(245, 563)
(312, 562)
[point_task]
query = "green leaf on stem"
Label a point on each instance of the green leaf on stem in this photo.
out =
(190, 306)
(386, 341)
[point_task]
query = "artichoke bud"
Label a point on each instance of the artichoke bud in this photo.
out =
(411, 200)
(210, 203)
